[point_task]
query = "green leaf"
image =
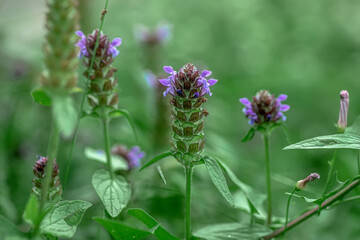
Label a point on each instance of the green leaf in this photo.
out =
(120, 231)
(126, 114)
(156, 159)
(151, 223)
(255, 199)
(161, 174)
(61, 221)
(118, 163)
(354, 128)
(114, 193)
(249, 135)
(41, 97)
(31, 210)
(64, 114)
(218, 178)
(336, 141)
(235, 231)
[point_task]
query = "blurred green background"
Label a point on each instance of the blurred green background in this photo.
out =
(309, 50)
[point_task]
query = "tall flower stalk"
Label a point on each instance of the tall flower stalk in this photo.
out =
(264, 113)
(188, 88)
(102, 89)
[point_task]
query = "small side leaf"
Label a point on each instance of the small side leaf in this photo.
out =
(232, 231)
(120, 231)
(31, 210)
(61, 221)
(65, 114)
(161, 174)
(249, 135)
(336, 141)
(151, 223)
(118, 163)
(114, 193)
(156, 159)
(41, 97)
(126, 114)
(218, 178)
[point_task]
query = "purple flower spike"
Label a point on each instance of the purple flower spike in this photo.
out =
(265, 108)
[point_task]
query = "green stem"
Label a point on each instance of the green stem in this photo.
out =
(287, 209)
(331, 171)
(268, 176)
(358, 161)
(340, 195)
(84, 97)
(105, 122)
(188, 174)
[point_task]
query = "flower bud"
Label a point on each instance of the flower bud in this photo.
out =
(302, 183)
(344, 109)
(133, 156)
(265, 108)
(55, 189)
(188, 88)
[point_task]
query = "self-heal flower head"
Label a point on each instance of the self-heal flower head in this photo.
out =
(197, 84)
(344, 109)
(302, 183)
(188, 86)
(105, 48)
(133, 156)
(158, 36)
(265, 108)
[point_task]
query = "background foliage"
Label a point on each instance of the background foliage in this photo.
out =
(309, 50)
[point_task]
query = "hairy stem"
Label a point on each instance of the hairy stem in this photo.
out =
(287, 209)
(84, 95)
(268, 176)
(105, 122)
(188, 174)
(313, 211)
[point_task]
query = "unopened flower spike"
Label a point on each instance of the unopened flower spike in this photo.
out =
(265, 108)
(103, 84)
(302, 183)
(55, 189)
(133, 156)
(344, 109)
(188, 88)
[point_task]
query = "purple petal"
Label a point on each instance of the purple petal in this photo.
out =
(164, 82)
(168, 69)
(284, 118)
(80, 33)
(284, 108)
(205, 73)
(282, 97)
(251, 121)
(116, 42)
(212, 82)
(245, 101)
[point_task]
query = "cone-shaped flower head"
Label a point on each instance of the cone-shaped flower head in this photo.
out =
(187, 87)
(55, 191)
(60, 53)
(302, 183)
(344, 109)
(103, 84)
(133, 156)
(265, 108)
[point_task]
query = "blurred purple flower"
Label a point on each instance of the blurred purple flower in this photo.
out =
(150, 78)
(158, 36)
(264, 108)
(134, 156)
